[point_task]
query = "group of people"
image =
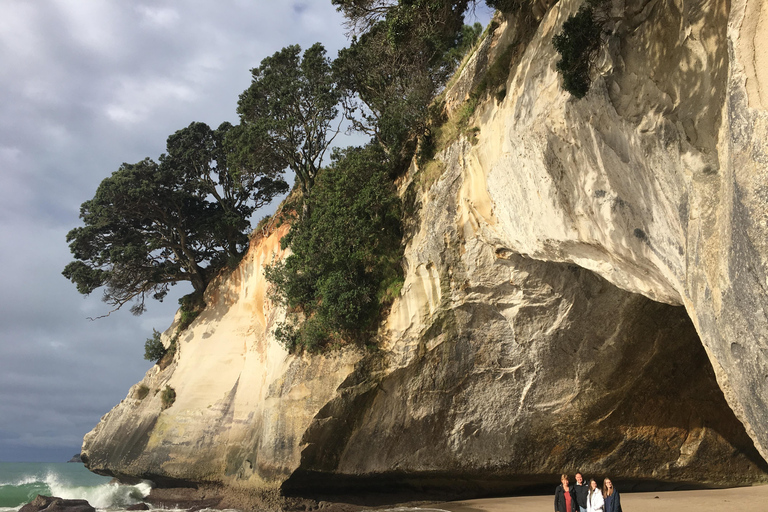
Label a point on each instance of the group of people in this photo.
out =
(586, 498)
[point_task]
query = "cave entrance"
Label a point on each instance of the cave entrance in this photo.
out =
(520, 379)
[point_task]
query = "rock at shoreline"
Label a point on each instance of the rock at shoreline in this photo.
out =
(53, 504)
(75, 458)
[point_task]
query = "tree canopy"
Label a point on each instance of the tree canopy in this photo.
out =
(400, 57)
(151, 225)
(289, 110)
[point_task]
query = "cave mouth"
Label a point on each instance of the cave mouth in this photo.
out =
(651, 413)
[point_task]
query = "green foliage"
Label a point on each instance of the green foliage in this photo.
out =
(505, 6)
(577, 45)
(465, 41)
(168, 397)
(445, 130)
(152, 224)
(190, 306)
(154, 350)
(287, 112)
(391, 72)
(142, 391)
(346, 254)
(262, 224)
(497, 73)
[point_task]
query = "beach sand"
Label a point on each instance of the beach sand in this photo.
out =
(743, 499)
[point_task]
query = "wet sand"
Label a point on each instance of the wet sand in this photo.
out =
(743, 499)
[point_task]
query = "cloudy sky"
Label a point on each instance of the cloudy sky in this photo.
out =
(85, 86)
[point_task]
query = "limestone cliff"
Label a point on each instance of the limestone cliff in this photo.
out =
(585, 288)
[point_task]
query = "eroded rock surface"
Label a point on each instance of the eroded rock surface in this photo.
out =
(585, 289)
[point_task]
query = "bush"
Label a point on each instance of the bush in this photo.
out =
(168, 397)
(142, 391)
(577, 45)
(190, 305)
(153, 347)
(346, 253)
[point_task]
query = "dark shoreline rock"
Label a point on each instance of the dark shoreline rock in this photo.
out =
(54, 504)
(184, 498)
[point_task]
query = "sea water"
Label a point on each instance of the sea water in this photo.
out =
(21, 482)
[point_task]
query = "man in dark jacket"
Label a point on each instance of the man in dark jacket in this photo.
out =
(582, 489)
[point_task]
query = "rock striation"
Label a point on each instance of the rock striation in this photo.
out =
(585, 289)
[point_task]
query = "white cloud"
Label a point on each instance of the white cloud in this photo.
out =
(161, 17)
(92, 24)
(20, 37)
(137, 100)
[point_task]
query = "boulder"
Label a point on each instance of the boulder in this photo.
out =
(52, 504)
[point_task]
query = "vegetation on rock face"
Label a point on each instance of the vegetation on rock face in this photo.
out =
(151, 225)
(168, 396)
(346, 253)
(142, 391)
(190, 307)
(345, 266)
(400, 58)
(154, 350)
(578, 44)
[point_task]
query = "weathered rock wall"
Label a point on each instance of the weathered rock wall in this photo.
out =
(656, 180)
(241, 404)
(502, 371)
(584, 289)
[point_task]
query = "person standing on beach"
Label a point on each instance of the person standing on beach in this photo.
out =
(611, 497)
(565, 496)
(594, 498)
(582, 490)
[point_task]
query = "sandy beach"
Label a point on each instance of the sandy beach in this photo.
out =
(743, 499)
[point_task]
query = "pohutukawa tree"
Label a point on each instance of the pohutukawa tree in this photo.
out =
(401, 57)
(151, 225)
(291, 109)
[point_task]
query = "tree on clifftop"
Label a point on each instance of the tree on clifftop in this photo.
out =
(151, 224)
(394, 67)
(289, 109)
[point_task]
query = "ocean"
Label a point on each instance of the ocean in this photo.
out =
(20, 482)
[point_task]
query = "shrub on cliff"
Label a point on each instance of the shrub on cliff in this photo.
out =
(346, 253)
(577, 45)
(154, 350)
(168, 397)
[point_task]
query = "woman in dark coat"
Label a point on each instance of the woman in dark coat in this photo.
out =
(611, 497)
(565, 496)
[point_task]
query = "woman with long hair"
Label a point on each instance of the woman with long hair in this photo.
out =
(565, 496)
(594, 497)
(611, 497)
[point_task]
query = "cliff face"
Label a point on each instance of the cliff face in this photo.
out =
(585, 288)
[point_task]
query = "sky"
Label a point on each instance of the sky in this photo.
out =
(85, 86)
